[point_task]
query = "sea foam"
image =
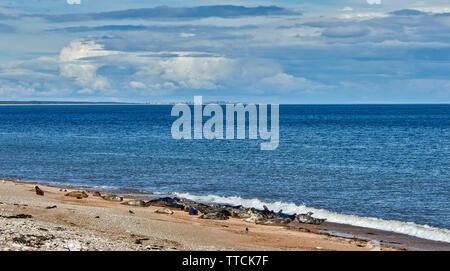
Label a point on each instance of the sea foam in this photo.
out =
(409, 228)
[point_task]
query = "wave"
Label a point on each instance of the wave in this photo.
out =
(409, 228)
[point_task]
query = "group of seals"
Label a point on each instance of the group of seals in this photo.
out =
(210, 211)
(82, 194)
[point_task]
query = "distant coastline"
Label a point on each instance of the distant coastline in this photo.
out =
(18, 103)
(22, 103)
(63, 103)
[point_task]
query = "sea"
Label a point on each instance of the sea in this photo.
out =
(379, 166)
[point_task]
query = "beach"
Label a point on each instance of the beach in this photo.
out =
(56, 222)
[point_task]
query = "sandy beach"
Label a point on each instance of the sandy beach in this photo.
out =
(56, 222)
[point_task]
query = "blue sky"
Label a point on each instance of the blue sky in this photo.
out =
(286, 51)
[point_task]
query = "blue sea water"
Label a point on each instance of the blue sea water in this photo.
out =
(349, 163)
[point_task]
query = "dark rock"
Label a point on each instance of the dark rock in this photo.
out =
(51, 207)
(19, 216)
(139, 241)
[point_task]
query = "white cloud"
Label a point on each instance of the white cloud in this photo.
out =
(75, 63)
(347, 9)
(187, 35)
(374, 2)
(73, 2)
(197, 72)
(286, 82)
(136, 84)
(142, 73)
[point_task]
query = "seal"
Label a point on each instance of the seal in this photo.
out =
(97, 194)
(274, 222)
(113, 198)
(308, 219)
(77, 194)
(161, 202)
(193, 211)
(217, 216)
(166, 211)
(135, 202)
(39, 192)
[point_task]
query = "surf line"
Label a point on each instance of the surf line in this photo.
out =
(214, 126)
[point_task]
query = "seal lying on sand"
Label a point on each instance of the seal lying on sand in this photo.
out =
(161, 202)
(217, 215)
(135, 202)
(97, 194)
(193, 211)
(164, 211)
(308, 219)
(275, 221)
(39, 192)
(112, 198)
(77, 194)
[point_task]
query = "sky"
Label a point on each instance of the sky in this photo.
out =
(285, 51)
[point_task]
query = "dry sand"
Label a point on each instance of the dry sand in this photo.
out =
(96, 224)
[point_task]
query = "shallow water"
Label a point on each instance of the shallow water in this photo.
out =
(382, 161)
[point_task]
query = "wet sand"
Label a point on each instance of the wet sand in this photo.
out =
(96, 224)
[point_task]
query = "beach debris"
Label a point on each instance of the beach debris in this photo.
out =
(19, 216)
(164, 211)
(39, 192)
(139, 241)
(96, 194)
(131, 212)
(135, 202)
(113, 198)
(308, 219)
(77, 194)
(216, 215)
(51, 207)
(374, 245)
(97, 217)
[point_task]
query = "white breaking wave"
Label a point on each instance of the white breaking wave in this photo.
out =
(409, 228)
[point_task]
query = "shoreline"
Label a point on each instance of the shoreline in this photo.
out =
(140, 228)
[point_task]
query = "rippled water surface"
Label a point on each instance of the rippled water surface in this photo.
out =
(384, 161)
